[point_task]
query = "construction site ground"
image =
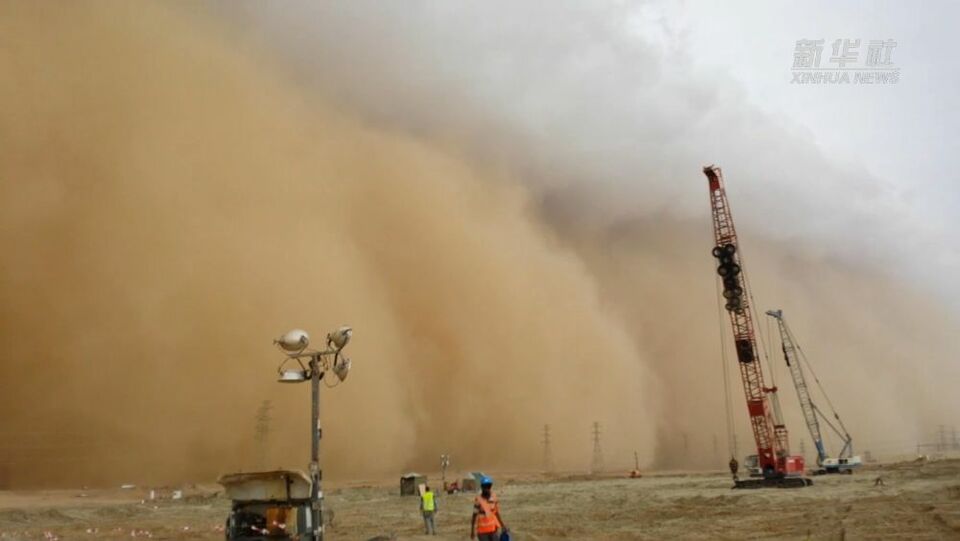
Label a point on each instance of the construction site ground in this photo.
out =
(919, 500)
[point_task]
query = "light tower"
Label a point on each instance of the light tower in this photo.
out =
(319, 362)
(444, 464)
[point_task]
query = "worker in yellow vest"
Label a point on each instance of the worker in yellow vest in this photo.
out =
(428, 506)
(486, 520)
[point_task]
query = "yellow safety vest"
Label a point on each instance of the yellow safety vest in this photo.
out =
(428, 503)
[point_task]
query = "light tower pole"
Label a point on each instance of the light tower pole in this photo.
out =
(294, 344)
(444, 464)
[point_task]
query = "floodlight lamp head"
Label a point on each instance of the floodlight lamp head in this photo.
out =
(294, 341)
(339, 338)
(342, 367)
(293, 376)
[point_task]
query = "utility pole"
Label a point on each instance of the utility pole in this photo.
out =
(636, 461)
(597, 465)
(547, 452)
(261, 432)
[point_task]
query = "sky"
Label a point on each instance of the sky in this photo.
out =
(906, 135)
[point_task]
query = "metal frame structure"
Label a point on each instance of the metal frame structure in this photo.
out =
(769, 432)
(811, 413)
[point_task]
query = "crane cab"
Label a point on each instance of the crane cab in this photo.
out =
(840, 465)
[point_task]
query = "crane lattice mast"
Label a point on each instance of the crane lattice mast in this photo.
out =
(812, 414)
(770, 434)
(800, 382)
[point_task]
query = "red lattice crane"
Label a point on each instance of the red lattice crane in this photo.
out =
(769, 433)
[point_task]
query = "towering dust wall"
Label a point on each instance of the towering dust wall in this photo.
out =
(170, 205)
(171, 200)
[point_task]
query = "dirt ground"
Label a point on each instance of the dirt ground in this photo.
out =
(918, 501)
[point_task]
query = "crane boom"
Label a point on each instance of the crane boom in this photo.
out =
(769, 433)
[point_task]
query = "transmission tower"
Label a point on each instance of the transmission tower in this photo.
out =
(547, 452)
(597, 464)
(261, 432)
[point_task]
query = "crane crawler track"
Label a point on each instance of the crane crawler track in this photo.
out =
(776, 482)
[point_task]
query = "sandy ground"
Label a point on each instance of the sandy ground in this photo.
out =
(919, 501)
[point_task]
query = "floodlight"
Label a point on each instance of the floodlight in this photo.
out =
(339, 338)
(341, 367)
(293, 376)
(294, 341)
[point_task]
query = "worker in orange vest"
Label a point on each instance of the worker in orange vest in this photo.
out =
(486, 520)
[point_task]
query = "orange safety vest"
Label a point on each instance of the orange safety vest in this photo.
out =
(487, 521)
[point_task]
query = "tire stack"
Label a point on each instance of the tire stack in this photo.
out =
(729, 272)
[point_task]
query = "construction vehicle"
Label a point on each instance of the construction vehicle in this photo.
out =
(845, 461)
(778, 467)
(268, 505)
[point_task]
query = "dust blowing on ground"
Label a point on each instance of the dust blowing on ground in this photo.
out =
(172, 198)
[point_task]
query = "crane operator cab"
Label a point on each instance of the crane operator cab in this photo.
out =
(267, 505)
(840, 465)
(752, 464)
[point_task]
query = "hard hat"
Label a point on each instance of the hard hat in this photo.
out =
(484, 481)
